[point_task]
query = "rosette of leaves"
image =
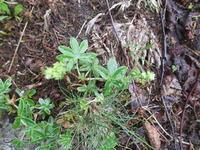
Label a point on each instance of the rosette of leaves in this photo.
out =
(70, 59)
(114, 76)
(77, 52)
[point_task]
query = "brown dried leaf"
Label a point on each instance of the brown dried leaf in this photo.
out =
(60, 121)
(153, 135)
(67, 125)
(171, 86)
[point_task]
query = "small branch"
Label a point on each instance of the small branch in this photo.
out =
(22, 34)
(162, 17)
(81, 29)
(164, 48)
(184, 110)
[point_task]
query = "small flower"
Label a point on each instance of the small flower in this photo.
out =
(150, 75)
(56, 72)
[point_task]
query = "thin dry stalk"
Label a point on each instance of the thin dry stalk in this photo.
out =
(18, 44)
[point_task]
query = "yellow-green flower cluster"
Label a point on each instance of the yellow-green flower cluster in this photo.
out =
(142, 77)
(56, 72)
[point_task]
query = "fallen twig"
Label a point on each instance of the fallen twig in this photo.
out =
(22, 34)
(184, 110)
(162, 17)
(164, 49)
(170, 122)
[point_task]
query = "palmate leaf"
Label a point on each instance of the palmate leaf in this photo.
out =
(112, 65)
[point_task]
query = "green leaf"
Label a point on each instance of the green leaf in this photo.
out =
(74, 45)
(41, 101)
(83, 46)
(109, 143)
(66, 140)
(108, 87)
(2, 32)
(39, 140)
(51, 120)
(64, 57)
(16, 123)
(38, 133)
(119, 73)
(147, 47)
(48, 129)
(56, 131)
(27, 121)
(19, 143)
(103, 72)
(82, 89)
(118, 84)
(5, 8)
(66, 51)
(19, 92)
(18, 9)
(5, 86)
(12, 3)
(112, 66)
(20, 107)
(19, 19)
(88, 55)
(47, 111)
(30, 102)
(29, 93)
(4, 106)
(70, 64)
(84, 104)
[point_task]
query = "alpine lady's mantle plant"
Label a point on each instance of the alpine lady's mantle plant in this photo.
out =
(86, 67)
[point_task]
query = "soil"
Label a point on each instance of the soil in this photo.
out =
(53, 23)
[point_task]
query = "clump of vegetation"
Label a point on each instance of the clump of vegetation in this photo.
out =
(89, 112)
(8, 13)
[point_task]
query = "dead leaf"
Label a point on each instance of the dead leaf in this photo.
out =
(153, 135)
(67, 125)
(60, 121)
